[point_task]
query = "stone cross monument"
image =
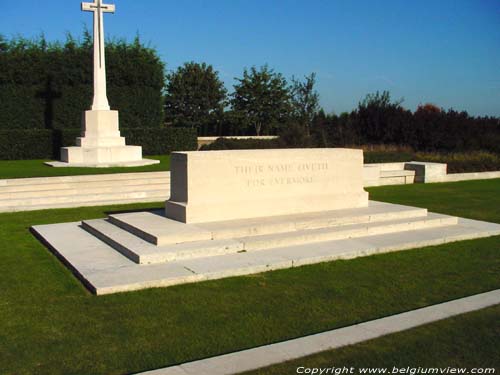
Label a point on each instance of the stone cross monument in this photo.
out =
(100, 98)
(100, 144)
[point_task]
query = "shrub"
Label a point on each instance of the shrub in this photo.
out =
(21, 144)
(162, 141)
(476, 161)
(49, 85)
(387, 157)
(26, 144)
(242, 144)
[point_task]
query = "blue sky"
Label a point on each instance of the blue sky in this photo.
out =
(445, 52)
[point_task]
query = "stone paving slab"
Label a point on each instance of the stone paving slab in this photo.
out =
(375, 212)
(158, 229)
(144, 252)
(310, 236)
(268, 355)
(104, 270)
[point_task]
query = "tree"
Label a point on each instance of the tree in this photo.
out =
(263, 97)
(380, 120)
(4, 45)
(195, 95)
(305, 101)
(428, 108)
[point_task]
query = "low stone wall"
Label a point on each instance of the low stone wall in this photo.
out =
(471, 176)
(379, 174)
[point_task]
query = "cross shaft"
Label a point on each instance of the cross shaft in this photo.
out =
(100, 101)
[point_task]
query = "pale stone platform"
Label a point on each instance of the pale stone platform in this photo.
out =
(141, 250)
(267, 355)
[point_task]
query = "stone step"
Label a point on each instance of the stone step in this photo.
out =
(346, 231)
(159, 230)
(97, 199)
(76, 192)
(105, 271)
(83, 178)
(109, 202)
(83, 185)
(396, 173)
(375, 212)
(143, 252)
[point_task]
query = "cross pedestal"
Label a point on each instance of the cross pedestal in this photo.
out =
(100, 144)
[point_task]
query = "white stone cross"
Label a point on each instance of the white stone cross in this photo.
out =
(100, 102)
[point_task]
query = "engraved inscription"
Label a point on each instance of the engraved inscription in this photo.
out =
(280, 173)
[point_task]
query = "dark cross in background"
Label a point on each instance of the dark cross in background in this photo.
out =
(49, 95)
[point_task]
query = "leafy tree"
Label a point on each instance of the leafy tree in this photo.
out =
(263, 97)
(195, 95)
(305, 100)
(428, 108)
(4, 45)
(380, 120)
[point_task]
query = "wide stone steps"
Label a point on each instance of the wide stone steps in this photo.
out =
(83, 178)
(104, 270)
(71, 200)
(154, 227)
(87, 190)
(144, 252)
(78, 191)
(82, 185)
(347, 231)
(110, 202)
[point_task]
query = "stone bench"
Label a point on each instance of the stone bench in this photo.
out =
(397, 177)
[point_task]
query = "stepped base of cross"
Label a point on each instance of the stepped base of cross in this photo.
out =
(101, 145)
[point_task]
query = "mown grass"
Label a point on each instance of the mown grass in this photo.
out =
(478, 199)
(51, 325)
(37, 168)
(467, 341)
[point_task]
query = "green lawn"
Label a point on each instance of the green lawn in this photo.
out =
(466, 341)
(50, 324)
(478, 199)
(36, 168)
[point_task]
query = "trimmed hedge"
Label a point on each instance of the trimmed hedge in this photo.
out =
(163, 140)
(48, 86)
(26, 144)
(242, 144)
(19, 144)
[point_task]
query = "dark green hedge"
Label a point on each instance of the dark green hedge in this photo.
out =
(50, 85)
(243, 144)
(162, 141)
(21, 144)
(26, 144)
